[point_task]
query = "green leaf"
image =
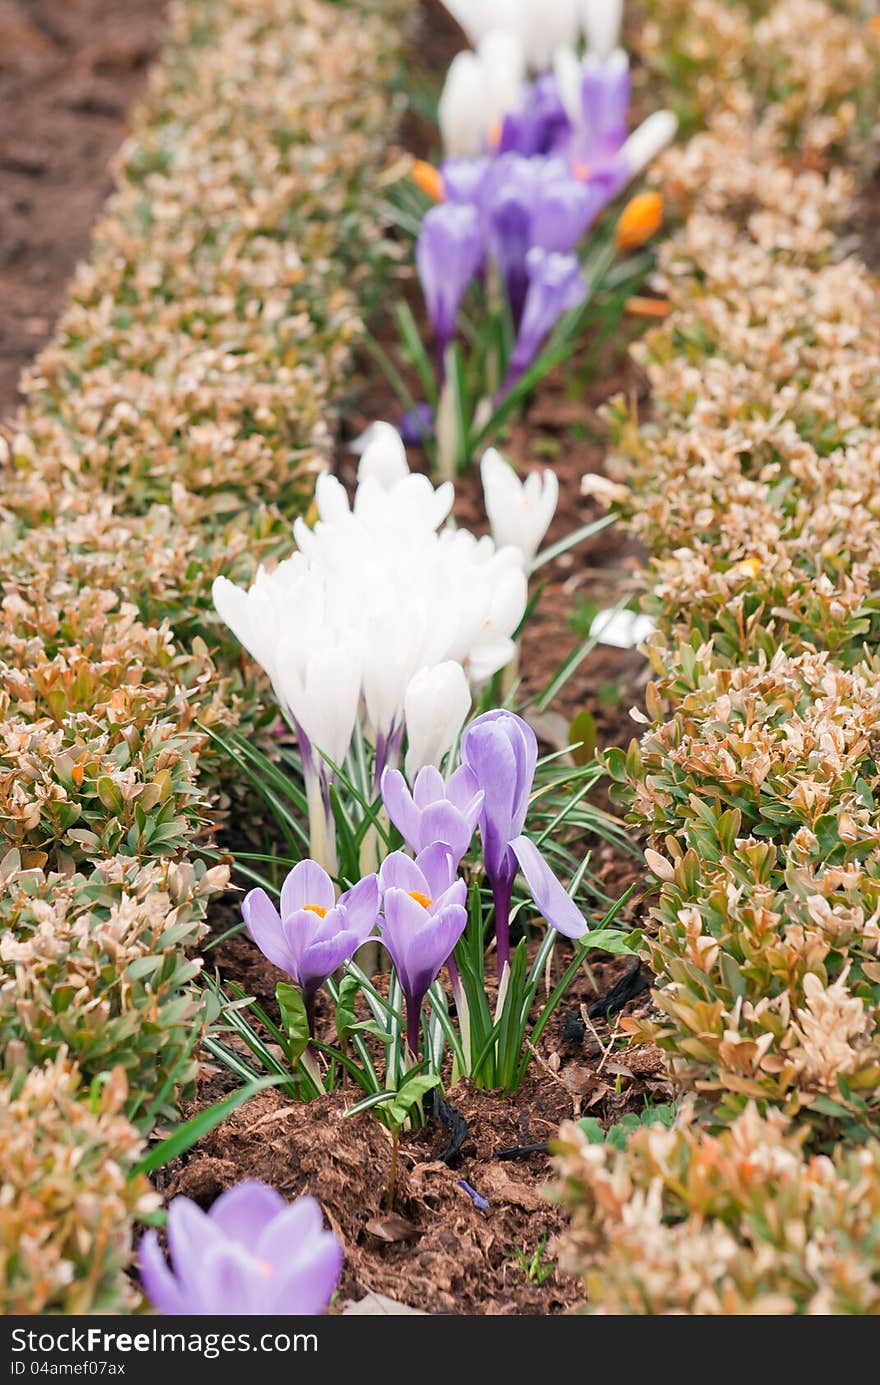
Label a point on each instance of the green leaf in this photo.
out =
(583, 735)
(294, 1018)
(412, 1090)
(346, 1018)
(186, 1135)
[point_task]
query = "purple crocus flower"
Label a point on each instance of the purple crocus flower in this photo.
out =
(541, 124)
(252, 1254)
(423, 918)
(312, 934)
(501, 751)
(434, 811)
(510, 206)
(556, 285)
(448, 254)
(416, 426)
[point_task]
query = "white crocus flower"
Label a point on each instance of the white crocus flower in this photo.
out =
(437, 701)
(621, 629)
(520, 512)
(481, 88)
(381, 594)
(602, 21)
(552, 24)
(461, 111)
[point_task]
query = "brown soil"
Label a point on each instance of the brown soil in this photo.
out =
(69, 72)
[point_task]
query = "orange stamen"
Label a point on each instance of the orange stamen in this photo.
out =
(421, 898)
(316, 909)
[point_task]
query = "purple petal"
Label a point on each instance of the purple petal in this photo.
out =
(191, 1234)
(428, 787)
(400, 806)
(359, 907)
(443, 823)
(320, 960)
(159, 1284)
(558, 908)
(306, 884)
(306, 1288)
(243, 1212)
(231, 1282)
(462, 789)
(263, 923)
(437, 865)
(400, 872)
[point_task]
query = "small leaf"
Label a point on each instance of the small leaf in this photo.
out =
(583, 736)
(294, 1019)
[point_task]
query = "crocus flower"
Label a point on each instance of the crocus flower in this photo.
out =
(435, 811)
(520, 512)
(311, 934)
(423, 917)
(448, 254)
(501, 751)
(480, 88)
(436, 703)
(252, 1254)
(556, 285)
(540, 124)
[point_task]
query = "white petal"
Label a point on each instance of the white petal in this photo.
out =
(383, 456)
(437, 701)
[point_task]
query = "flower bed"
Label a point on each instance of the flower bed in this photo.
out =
(754, 487)
(400, 794)
(188, 391)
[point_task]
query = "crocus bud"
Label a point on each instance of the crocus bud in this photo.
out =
(602, 21)
(648, 140)
(429, 179)
(519, 512)
(251, 1254)
(437, 701)
(448, 253)
(640, 219)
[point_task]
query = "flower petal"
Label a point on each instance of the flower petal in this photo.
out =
(307, 883)
(558, 908)
(243, 1212)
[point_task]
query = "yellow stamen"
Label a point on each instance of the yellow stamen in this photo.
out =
(581, 172)
(421, 898)
(316, 909)
(429, 179)
(495, 133)
(640, 219)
